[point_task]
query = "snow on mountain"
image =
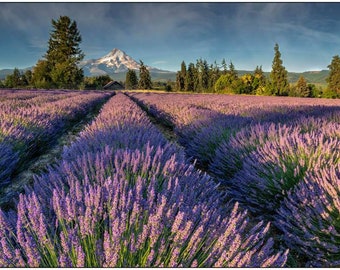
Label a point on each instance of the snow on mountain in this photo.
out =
(116, 61)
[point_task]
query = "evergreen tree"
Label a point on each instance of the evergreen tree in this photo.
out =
(131, 80)
(63, 55)
(180, 77)
(202, 69)
(14, 80)
(144, 77)
(41, 75)
(301, 88)
(214, 74)
(232, 70)
(28, 77)
(333, 80)
(190, 78)
(224, 67)
(279, 85)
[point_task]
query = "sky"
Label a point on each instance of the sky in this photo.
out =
(164, 34)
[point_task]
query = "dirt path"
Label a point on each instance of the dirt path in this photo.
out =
(9, 194)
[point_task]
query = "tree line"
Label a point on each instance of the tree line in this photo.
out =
(214, 78)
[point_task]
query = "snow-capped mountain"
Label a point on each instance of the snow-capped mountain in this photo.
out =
(116, 61)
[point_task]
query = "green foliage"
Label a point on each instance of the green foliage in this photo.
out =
(131, 80)
(301, 89)
(228, 84)
(97, 82)
(214, 74)
(17, 79)
(202, 70)
(279, 85)
(180, 77)
(224, 66)
(66, 75)
(41, 75)
(60, 69)
(333, 80)
(144, 77)
(190, 78)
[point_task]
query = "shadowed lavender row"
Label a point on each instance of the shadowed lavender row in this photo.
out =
(123, 196)
(269, 156)
(31, 120)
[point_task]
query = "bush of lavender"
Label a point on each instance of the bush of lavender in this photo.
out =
(229, 155)
(8, 162)
(310, 216)
(275, 168)
(204, 143)
(31, 124)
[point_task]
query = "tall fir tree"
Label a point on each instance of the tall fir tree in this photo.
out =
(131, 80)
(144, 77)
(62, 57)
(333, 80)
(279, 85)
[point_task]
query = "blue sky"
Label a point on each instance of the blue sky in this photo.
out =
(163, 34)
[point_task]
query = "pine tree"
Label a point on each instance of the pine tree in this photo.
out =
(63, 54)
(131, 80)
(279, 85)
(144, 77)
(333, 80)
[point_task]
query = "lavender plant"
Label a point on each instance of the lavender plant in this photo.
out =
(278, 166)
(30, 122)
(309, 216)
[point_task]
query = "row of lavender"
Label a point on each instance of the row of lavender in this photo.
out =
(279, 157)
(31, 120)
(122, 195)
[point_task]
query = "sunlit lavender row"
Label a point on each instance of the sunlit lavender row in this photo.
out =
(123, 196)
(278, 157)
(32, 120)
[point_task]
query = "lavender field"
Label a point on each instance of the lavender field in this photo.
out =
(172, 180)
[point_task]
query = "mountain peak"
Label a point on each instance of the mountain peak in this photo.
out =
(116, 61)
(116, 53)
